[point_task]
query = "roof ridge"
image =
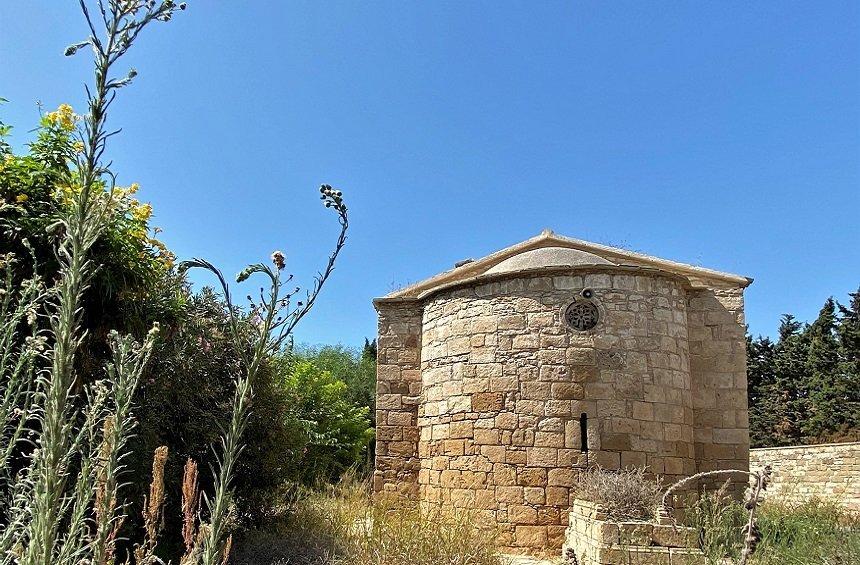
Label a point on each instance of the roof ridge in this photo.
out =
(480, 266)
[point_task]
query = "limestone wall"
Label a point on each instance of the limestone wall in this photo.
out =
(592, 539)
(718, 369)
(398, 392)
(799, 473)
(505, 382)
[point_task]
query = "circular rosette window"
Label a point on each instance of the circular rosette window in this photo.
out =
(582, 315)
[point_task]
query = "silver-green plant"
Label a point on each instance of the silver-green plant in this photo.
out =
(61, 506)
(267, 325)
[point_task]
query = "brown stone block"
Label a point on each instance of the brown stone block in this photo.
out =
(504, 384)
(389, 433)
(548, 516)
(509, 494)
(453, 447)
(562, 477)
(495, 453)
(531, 536)
(580, 356)
(606, 459)
(531, 477)
(633, 459)
(518, 514)
(504, 474)
(512, 322)
(542, 456)
(389, 401)
(523, 438)
(554, 373)
(557, 496)
(461, 430)
(487, 402)
(557, 408)
(567, 391)
(549, 439)
(616, 442)
(515, 456)
(507, 421)
(534, 495)
(402, 448)
(400, 419)
(486, 437)
(536, 390)
(571, 458)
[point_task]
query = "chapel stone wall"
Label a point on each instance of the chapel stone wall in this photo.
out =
(718, 368)
(505, 380)
(398, 393)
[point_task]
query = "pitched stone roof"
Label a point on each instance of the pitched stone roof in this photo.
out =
(552, 252)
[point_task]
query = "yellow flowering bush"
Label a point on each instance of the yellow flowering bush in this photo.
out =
(37, 186)
(63, 118)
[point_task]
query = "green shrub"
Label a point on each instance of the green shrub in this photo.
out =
(357, 369)
(333, 433)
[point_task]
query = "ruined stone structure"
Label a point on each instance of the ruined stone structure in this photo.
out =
(489, 374)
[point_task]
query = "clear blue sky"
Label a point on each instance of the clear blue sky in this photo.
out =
(725, 134)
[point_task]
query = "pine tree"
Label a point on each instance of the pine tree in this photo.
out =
(790, 390)
(761, 390)
(369, 350)
(848, 333)
(827, 388)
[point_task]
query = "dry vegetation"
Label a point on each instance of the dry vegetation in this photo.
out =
(341, 524)
(628, 494)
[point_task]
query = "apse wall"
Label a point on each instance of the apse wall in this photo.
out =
(505, 380)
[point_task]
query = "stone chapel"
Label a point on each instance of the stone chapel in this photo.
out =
(501, 379)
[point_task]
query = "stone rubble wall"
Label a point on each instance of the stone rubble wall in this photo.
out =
(830, 470)
(505, 382)
(592, 539)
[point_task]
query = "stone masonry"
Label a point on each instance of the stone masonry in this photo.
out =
(800, 473)
(485, 381)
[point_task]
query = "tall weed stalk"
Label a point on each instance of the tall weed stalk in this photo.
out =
(60, 507)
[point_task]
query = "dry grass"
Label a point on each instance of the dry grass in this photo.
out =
(343, 525)
(628, 494)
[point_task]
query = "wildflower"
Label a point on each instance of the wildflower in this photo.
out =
(279, 260)
(31, 316)
(142, 212)
(21, 198)
(78, 146)
(63, 117)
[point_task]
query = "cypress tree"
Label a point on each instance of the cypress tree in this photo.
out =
(762, 391)
(827, 388)
(790, 386)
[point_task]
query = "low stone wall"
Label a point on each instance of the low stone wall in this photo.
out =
(830, 470)
(591, 539)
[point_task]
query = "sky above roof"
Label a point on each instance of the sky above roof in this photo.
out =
(725, 135)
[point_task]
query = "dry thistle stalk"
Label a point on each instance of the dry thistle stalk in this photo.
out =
(153, 507)
(190, 503)
(227, 546)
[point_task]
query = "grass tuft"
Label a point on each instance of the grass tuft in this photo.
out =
(344, 524)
